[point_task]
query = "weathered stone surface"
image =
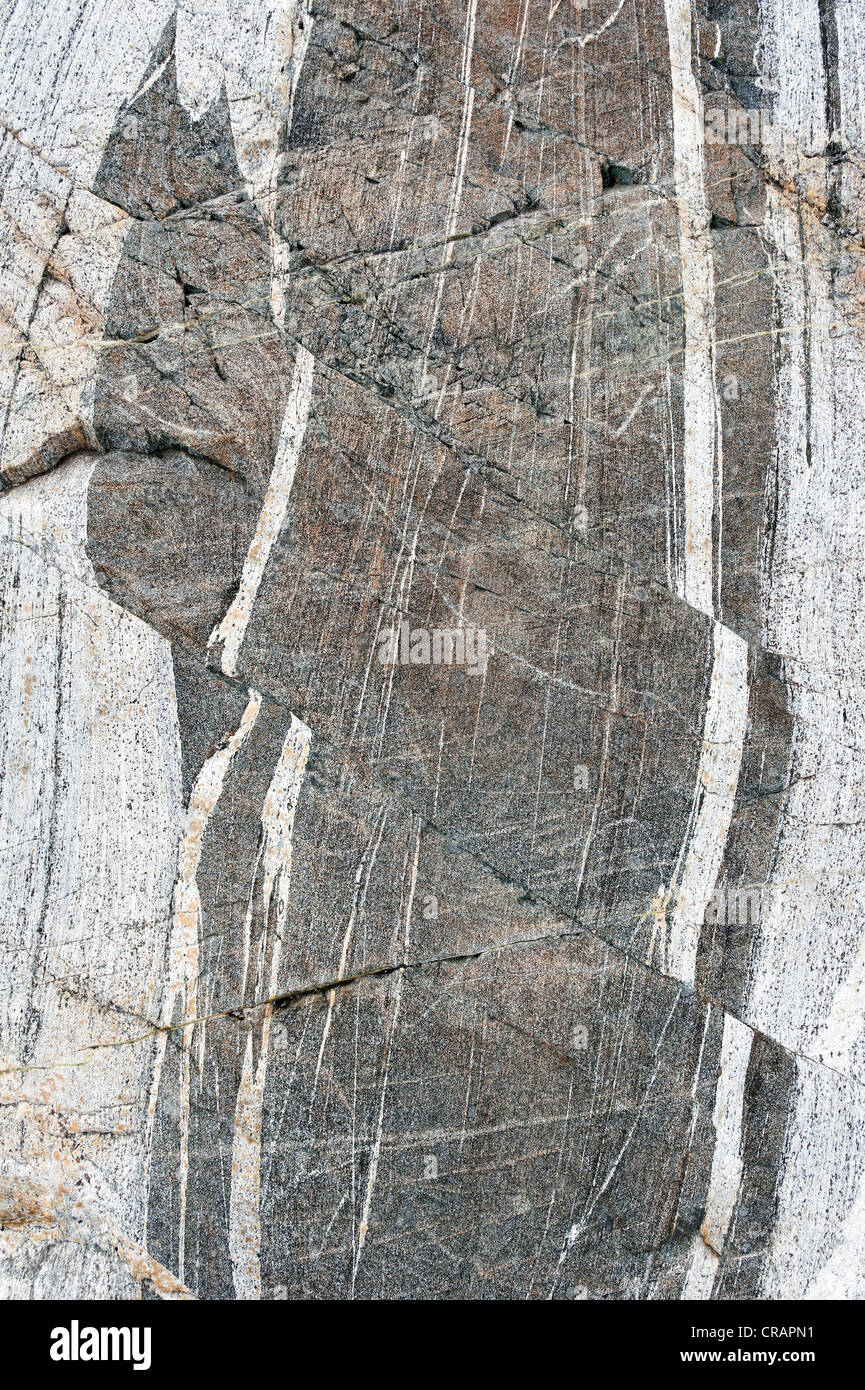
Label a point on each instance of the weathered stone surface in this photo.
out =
(432, 714)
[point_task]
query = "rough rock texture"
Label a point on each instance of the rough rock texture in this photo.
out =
(432, 724)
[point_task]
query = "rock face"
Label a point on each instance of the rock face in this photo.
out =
(431, 649)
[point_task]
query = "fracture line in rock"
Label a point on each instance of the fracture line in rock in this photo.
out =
(231, 630)
(714, 800)
(702, 418)
(726, 1171)
(277, 825)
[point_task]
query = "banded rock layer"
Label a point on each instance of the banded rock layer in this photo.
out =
(522, 347)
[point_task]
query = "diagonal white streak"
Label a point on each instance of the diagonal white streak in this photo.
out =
(181, 992)
(277, 824)
(231, 630)
(702, 451)
(726, 1171)
(714, 800)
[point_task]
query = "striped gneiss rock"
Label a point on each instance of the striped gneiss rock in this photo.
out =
(432, 720)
